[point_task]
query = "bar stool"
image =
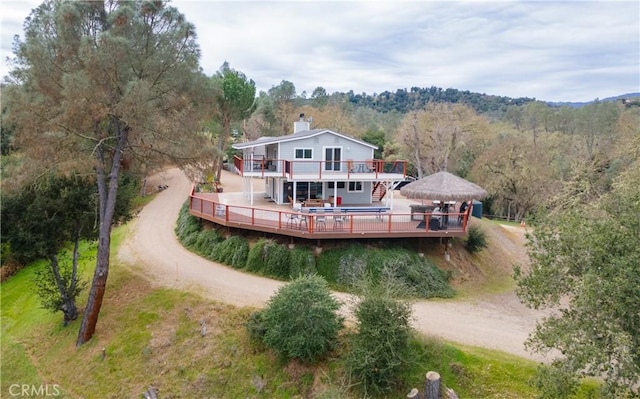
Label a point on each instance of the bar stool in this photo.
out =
(321, 220)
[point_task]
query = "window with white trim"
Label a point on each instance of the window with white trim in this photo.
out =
(303, 153)
(355, 187)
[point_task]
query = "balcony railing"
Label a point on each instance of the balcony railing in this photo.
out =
(349, 169)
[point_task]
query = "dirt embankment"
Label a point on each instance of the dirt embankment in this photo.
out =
(496, 321)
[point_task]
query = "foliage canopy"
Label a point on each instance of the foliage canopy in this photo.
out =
(586, 263)
(100, 87)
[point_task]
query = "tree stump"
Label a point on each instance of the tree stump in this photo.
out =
(413, 394)
(432, 385)
(451, 394)
(151, 393)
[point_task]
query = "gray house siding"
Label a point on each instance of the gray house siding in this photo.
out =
(349, 197)
(349, 150)
(323, 157)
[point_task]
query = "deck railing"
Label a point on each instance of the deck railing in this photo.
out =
(349, 225)
(291, 169)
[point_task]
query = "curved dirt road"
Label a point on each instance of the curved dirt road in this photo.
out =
(151, 249)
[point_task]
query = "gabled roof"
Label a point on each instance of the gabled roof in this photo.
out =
(296, 136)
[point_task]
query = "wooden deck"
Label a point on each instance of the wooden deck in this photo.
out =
(343, 225)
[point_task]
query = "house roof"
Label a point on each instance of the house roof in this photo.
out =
(296, 136)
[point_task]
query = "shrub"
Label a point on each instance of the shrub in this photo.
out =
(302, 262)
(8, 264)
(379, 349)
(327, 264)
(233, 251)
(419, 275)
(554, 382)
(256, 326)
(255, 258)
(329, 261)
(206, 240)
(301, 320)
(426, 280)
(277, 261)
(351, 269)
(476, 239)
(269, 258)
(187, 224)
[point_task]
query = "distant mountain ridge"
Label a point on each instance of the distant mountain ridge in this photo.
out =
(416, 98)
(626, 96)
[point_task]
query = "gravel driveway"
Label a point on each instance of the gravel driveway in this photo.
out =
(497, 322)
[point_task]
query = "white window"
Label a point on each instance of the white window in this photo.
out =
(355, 187)
(304, 153)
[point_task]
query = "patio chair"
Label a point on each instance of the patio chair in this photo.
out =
(292, 220)
(296, 219)
(304, 217)
(321, 220)
(338, 219)
(371, 165)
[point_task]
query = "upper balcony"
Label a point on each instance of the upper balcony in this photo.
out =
(362, 170)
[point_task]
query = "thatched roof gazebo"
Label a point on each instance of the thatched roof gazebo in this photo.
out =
(443, 186)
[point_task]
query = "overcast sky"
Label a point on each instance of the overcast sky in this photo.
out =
(553, 51)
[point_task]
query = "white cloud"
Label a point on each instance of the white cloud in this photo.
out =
(557, 51)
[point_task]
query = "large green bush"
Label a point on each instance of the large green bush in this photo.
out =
(352, 268)
(303, 262)
(277, 261)
(327, 265)
(255, 258)
(378, 351)
(187, 226)
(270, 258)
(330, 261)
(207, 239)
(233, 251)
(301, 320)
(422, 278)
(347, 267)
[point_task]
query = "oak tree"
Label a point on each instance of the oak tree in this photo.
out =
(432, 136)
(585, 264)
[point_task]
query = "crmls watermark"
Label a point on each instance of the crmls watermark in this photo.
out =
(34, 391)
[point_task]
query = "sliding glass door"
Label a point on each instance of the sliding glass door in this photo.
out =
(332, 157)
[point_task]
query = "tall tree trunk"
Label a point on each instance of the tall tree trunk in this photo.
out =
(222, 141)
(69, 308)
(107, 202)
(417, 155)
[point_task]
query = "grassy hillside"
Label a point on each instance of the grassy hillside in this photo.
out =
(151, 336)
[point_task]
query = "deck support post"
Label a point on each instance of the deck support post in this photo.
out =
(318, 247)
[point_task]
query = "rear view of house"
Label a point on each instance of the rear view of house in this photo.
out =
(318, 166)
